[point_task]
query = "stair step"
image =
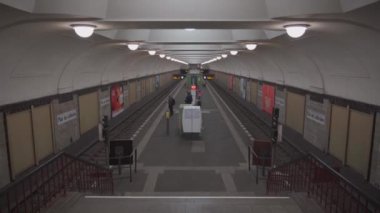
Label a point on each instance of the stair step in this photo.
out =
(305, 203)
(62, 204)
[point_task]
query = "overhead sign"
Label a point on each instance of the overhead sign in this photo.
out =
(66, 117)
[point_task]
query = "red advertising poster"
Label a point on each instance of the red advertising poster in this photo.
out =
(117, 100)
(268, 98)
(230, 83)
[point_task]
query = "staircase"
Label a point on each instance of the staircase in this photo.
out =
(52, 179)
(322, 183)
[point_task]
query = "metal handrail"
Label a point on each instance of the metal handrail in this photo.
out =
(342, 178)
(331, 189)
(22, 178)
(59, 174)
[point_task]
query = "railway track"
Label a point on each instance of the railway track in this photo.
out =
(126, 128)
(259, 129)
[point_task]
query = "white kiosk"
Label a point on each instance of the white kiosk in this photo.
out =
(190, 119)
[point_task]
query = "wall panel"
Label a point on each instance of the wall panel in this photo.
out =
(42, 131)
(126, 94)
(4, 167)
(295, 110)
(248, 91)
(280, 103)
(66, 122)
(259, 96)
(317, 123)
(21, 147)
(132, 92)
(359, 141)
(338, 132)
(254, 91)
(375, 167)
(104, 103)
(88, 111)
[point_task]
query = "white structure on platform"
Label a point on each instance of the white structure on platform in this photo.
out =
(191, 119)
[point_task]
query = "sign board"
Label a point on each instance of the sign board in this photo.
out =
(122, 149)
(262, 155)
(66, 116)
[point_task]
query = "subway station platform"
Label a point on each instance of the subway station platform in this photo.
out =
(190, 172)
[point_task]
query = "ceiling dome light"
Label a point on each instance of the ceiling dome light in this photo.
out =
(162, 55)
(168, 57)
(296, 31)
(219, 57)
(152, 52)
(224, 55)
(133, 46)
(84, 30)
(251, 46)
(234, 52)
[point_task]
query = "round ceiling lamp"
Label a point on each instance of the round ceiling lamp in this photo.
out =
(251, 46)
(219, 57)
(296, 31)
(152, 52)
(168, 57)
(84, 30)
(224, 55)
(133, 46)
(162, 55)
(234, 52)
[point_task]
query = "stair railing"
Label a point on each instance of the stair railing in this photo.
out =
(51, 179)
(321, 182)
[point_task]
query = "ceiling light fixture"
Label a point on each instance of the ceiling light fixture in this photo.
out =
(219, 57)
(296, 31)
(162, 55)
(189, 29)
(234, 52)
(224, 55)
(251, 46)
(83, 30)
(152, 52)
(133, 46)
(168, 57)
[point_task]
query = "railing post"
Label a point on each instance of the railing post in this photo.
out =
(135, 160)
(249, 159)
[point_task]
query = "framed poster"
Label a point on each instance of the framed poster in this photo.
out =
(117, 100)
(268, 98)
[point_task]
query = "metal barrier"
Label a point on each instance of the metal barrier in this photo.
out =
(329, 188)
(57, 176)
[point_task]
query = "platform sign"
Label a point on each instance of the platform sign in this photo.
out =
(262, 153)
(120, 149)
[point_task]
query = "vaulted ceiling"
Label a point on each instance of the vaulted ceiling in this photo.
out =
(40, 53)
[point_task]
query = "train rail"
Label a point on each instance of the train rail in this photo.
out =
(256, 126)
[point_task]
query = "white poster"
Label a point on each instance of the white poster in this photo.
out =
(280, 101)
(316, 116)
(104, 102)
(66, 116)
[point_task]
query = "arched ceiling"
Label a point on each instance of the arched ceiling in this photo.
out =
(41, 54)
(157, 23)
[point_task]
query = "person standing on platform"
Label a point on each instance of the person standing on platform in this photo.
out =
(171, 103)
(189, 98)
